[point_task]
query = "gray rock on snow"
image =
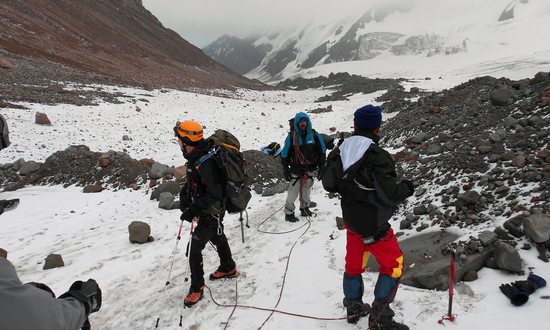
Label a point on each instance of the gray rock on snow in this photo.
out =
(281, 187)
(166, 201)
(170, 186)
(157, 170)
(487, 237)
(537, 227)
(139, 232)
(53, 261)
(507, 257)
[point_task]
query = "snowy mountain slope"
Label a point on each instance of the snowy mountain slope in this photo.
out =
(90, 230)
(430, 33)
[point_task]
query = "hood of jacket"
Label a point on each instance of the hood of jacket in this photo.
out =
(309, 135)
(353, 149)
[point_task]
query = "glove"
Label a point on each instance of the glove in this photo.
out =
(518, 292)
(190, 213)
(286, 173)
(87, 293)
(410, 185)
(184, 201)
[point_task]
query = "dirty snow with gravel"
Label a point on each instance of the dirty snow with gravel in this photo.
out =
(90, 230)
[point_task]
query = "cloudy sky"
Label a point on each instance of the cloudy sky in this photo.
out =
(201, 22)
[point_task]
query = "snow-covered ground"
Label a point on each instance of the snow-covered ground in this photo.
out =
(90, 230)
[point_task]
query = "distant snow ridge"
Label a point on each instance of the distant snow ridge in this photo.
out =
(412, 28)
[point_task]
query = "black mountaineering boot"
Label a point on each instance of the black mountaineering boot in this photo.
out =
(306, 212)
(356, 309)
(386, 324)
(291, 217)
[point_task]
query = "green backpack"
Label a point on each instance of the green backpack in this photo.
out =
(226, 152)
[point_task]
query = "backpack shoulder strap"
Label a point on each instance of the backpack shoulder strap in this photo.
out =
(211, 153)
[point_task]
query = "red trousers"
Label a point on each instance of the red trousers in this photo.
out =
(386, 251)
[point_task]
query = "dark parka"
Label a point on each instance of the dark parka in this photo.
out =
(204, 188)
(366, 168)
(310, 144)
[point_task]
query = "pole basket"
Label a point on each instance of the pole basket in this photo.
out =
(451, 318)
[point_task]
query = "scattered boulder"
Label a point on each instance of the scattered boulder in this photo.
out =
(166, 201)
(53, 261)
(42, 119)
(501, 96)
(5, 64)
(169, 186)
(28, 168)
(537, 227)
(104, 160)
(514, 226)
(281, 187)
(487, 237)
(262, 171)
(158, 170)
(426, 266)
(507, 257)
(470, 276)
(92, 188)
(139, 232)
(541, 249)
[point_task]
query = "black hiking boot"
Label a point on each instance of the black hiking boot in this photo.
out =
(291, 217)
(356, 309)
(387, 324)
(306, 212)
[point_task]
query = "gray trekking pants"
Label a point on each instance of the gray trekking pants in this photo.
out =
(299, 187)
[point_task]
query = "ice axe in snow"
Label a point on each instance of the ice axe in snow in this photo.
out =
(450, 316)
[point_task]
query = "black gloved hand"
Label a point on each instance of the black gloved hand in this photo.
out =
(286, 173)
(190, 213)
(87, 293)
(410, 185)
(518, 292)
(184, 201)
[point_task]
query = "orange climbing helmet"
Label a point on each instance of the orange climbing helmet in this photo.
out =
(189, 132)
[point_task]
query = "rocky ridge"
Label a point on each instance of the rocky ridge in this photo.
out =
(44, 44)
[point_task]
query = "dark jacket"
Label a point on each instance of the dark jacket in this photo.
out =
(23, 306)
(204, 189)
(4, 133)
(369, 177)
(309, 143)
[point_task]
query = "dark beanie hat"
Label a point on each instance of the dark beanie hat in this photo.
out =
(368, 116)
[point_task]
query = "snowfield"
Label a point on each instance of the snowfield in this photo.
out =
(90, 230)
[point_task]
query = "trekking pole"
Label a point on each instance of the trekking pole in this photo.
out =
(188, 249)
(242, 225)
(450, 316)
(171, 267)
